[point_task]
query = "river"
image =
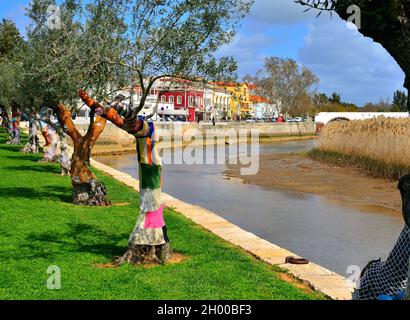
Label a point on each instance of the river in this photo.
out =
(323, 231)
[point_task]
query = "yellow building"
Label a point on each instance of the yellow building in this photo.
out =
(240, 104)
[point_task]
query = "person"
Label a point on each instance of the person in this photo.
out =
(213, 121)
(382, 279)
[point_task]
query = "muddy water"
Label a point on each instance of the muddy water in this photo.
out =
(323, 231)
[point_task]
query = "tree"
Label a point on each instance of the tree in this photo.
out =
(165, 40)
(303, 106)
(62, 59)
(109, 44)
(386, 22)
(176, 39)
(11, 72)
(381, 106)
(11, 42)
(285, 81)
(399, 102)
(335, 98)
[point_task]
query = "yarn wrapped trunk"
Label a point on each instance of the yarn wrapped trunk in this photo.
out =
(149, 242)
(51, 151)
(14, 134)
(33, 143)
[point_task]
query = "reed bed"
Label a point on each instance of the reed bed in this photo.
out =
(381, 146)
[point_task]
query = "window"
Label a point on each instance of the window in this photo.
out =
(171, 99)
(190, 101)
(163, 98)
(179, 100)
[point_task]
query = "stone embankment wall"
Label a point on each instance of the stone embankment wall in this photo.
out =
(114, 140)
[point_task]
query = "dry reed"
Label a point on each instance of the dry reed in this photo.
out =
(380, 146)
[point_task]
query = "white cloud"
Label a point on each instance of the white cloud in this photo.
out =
(18, 15)
(346, 62)
(279, 12)
(247, 51)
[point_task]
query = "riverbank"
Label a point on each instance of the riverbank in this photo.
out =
(40, 227)
(348, 186)
(115, 141)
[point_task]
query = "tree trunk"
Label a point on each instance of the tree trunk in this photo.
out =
(87, 190)
(64, 158)
(146, 254)
(32, 145)
(46, 136)
(51, 149)
(149, 242)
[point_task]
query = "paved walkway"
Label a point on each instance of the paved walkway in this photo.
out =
(321, 279)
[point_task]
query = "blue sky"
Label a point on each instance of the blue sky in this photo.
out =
(346, 62)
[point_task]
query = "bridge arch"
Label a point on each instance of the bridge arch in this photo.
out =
(339, 119)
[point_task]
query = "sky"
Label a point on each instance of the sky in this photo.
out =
(345, 61)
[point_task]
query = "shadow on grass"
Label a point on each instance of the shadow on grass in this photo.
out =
(45, 192)
(11, 147)
(79, 238)
(26, 156)
(36, 168)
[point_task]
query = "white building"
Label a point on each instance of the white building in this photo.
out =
(262, 108)
(221, 102)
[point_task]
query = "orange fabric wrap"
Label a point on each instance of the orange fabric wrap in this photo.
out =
(87, 99)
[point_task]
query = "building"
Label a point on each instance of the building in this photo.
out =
(186, 96)
(262, 108)
(192, 101)
(240, 104)
(221, 102)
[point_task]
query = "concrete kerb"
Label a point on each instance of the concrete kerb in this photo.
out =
(319, 278)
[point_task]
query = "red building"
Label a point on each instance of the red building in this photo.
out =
(185, 96)
(182, 95)
(187, 99)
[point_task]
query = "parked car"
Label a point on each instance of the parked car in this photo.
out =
(165, 119)
(180, 119)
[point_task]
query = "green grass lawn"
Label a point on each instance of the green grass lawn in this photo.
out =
(40, 227)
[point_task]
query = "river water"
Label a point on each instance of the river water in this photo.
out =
(323, 231)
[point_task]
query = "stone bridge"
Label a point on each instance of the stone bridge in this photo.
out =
(326, 117)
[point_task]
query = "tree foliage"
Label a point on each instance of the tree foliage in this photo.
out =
(399, 101)
(104, 45)
(62, 60)
(284, 81)
(11, 70)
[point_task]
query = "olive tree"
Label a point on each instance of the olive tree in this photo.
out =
(284, 82)
(11, 71)
(168, 40)
(68, 49)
